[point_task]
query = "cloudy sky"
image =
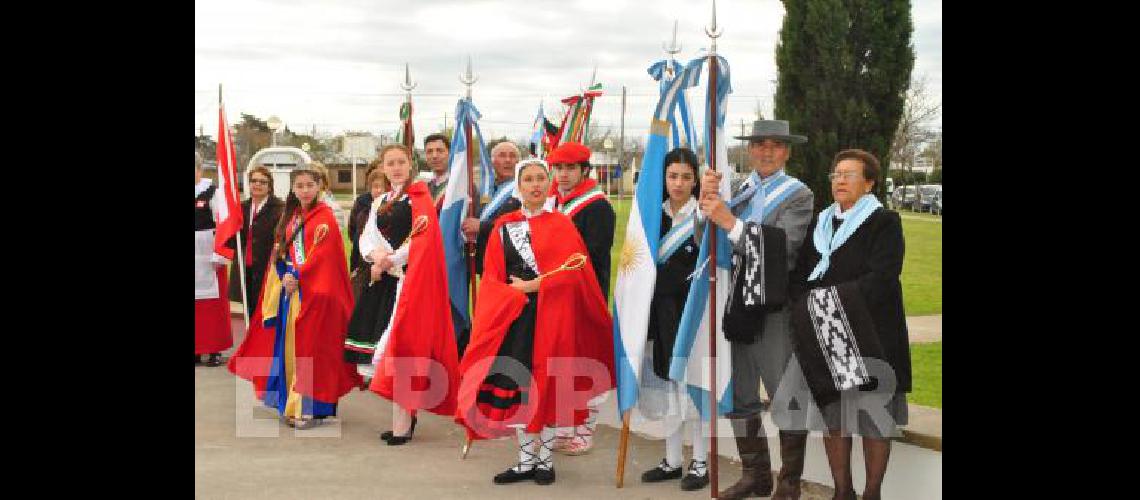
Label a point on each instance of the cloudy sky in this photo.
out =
(337, 65)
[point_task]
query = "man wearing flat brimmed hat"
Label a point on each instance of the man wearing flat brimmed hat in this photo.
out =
(769, 203)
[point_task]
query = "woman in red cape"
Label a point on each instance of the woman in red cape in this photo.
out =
(542, 338)
(293, 352)
(416, 358)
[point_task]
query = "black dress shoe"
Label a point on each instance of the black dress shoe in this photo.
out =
(215, 360)
(512, 476)
(544, 476)
(692, 481)
(386, 435)
(660, 473)
(394, 440)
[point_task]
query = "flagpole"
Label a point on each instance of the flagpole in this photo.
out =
(469, 79)
(408, 85)
(713, 34)
(623, 445)
(233, 182)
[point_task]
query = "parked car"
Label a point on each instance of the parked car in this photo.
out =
(903, 197)
(936, 205)
(925, 199)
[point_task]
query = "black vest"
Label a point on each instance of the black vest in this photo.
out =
(203, 216)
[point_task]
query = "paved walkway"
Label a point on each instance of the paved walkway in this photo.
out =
(241, 451)
(924, 428)
(924, 328)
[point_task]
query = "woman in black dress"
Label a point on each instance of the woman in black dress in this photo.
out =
(851, 332)
(662, 398)
(389, 223)
(260, 214)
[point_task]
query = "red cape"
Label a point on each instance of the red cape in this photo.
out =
(422, 340)
(326, 304)
(572, 322)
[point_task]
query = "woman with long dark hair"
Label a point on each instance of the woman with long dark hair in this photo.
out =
(304, 312)
(661, 398)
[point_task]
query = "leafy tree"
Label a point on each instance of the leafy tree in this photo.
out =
(844, 67)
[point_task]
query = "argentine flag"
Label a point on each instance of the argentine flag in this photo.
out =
(691, 355)
(637, 268)
(456, 203)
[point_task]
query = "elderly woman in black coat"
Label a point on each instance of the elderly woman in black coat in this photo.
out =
(849, 324)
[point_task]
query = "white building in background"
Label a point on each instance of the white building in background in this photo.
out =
(923, 164)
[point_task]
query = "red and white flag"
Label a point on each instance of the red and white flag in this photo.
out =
(229, 216)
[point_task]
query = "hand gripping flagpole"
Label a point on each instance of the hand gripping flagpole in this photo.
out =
(468, 79)
(713, 32)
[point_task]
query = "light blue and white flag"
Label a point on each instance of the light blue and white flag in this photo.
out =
(456, 203)
(691, 354)
(637, 266)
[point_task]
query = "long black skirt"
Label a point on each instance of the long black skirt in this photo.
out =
(369, 320)
(505, 388)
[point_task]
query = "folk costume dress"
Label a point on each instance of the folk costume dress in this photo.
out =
(377, 302)
(293, 353)
(212, 333)
(848, 319)
(662, 399)
(523, 334)
(415, 359)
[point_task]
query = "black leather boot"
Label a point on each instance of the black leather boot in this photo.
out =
(756, 476)
(793, 446)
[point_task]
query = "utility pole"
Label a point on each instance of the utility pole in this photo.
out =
(621, 148)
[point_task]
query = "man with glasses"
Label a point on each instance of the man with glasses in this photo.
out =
(777, 202)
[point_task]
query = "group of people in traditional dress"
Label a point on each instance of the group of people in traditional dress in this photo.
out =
(539, 354)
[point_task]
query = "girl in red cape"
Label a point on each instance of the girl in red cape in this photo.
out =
(415, 358)
(293, 353)
(542, 338)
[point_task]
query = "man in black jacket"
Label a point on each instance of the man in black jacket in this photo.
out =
(583, 200)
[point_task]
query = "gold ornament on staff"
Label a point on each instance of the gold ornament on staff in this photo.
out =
(575, 261)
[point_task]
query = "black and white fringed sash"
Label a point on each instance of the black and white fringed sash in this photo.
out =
(836, 339)
(759, 282)
(834, 335)
(519, 233)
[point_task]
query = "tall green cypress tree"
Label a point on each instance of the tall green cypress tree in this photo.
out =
(844, 67)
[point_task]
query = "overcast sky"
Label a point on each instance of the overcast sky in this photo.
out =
(338, 64)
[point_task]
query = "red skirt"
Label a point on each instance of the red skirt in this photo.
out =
(212, 331)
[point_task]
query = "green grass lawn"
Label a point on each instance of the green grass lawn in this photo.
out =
(926, 373)
(922, 264)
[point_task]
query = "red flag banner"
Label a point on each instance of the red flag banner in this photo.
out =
(229, 217)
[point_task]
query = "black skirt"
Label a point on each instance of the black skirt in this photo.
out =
(369, 320)
(505, 388)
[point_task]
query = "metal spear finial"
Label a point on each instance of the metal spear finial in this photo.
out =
(713, 31)
(408, 84)
(672, 49)
(469, 78)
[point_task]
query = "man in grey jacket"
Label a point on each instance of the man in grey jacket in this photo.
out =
(772, 198)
